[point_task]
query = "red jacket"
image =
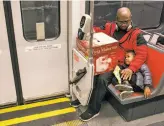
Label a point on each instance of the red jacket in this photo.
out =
(127, 42)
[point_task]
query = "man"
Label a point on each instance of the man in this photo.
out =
(129, 38)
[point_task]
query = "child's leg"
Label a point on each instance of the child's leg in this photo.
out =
(133, 80)
(133, 84)
(114, 81)
(125, 86)
(137, 89)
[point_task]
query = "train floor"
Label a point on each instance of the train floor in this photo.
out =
(58, 112)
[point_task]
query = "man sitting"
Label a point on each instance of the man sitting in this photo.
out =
(130, 38)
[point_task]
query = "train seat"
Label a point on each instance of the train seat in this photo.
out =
(155, 63)
(146, 35)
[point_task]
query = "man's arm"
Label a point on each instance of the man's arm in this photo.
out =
(105, 28)
(141, 50)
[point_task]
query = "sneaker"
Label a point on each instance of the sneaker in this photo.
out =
(86, 116)
(122, 87)
(126, 94)
(75, 103)
(126, 82)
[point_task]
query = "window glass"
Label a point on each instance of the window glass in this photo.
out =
(145, 14)
(40, 19)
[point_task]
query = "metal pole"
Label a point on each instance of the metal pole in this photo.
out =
(90, 59)
(121, 3)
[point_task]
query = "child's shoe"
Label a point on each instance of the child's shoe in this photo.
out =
(124, 87)
(126, 94)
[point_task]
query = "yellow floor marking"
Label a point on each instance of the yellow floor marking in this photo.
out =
(70, 123)
(37, 116)
(28, 106)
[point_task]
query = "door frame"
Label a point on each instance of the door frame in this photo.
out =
(13, 51)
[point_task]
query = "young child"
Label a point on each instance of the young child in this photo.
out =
(141, 81)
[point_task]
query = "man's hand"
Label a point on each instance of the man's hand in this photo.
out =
(126, 74)
(147, 92)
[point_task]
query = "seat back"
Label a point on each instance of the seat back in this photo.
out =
(155, 63)
(147, 36)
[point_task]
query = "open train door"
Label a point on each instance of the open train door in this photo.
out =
(82, 90)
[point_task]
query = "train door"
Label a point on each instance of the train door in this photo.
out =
(7, 86)
(41, 40)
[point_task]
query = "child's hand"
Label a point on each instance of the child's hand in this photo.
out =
(147, 92)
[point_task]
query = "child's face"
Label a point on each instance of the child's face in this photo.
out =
(128, 58)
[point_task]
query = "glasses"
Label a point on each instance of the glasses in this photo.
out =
(123, 22)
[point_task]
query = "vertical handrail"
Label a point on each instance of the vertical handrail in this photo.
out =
(90, 58)
(13, 51)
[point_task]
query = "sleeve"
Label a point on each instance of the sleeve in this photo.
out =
(105, 28)
(146, 75)
(99, 29)
(141, 50)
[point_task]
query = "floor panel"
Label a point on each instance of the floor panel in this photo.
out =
(44, 113)
(59, 113)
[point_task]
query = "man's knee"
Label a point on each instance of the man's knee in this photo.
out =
(107, 77)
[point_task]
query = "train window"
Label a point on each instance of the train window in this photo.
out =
(103, 11)
(40, 20)
(142, 12)
(146, 14)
